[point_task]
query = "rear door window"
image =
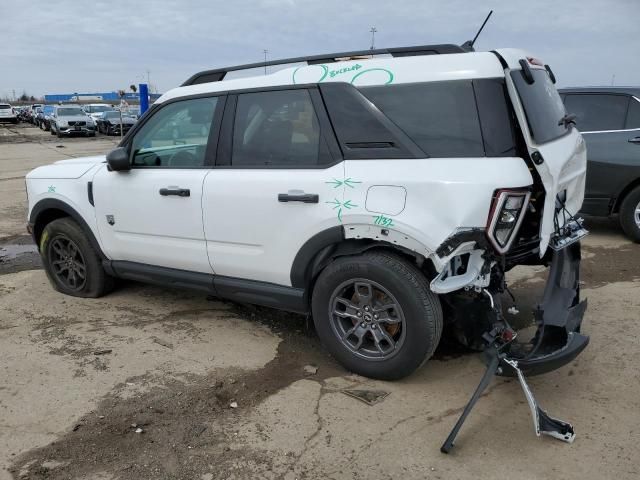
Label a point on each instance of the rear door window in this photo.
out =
(542, 105)
(598, 112)
(277, 128)
(440, 117)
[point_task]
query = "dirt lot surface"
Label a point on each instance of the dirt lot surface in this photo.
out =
(149, 383)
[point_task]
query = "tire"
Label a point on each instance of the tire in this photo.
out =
(51, 131)
(630, 214)
(59, 134)
(63, 241)
(414, 314)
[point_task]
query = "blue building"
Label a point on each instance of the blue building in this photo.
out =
(105, 97)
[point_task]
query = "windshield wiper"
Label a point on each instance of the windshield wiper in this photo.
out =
(568, 119)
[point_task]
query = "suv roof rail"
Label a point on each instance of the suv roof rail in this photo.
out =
(218, 74)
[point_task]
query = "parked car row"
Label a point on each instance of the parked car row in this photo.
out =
(64, 120)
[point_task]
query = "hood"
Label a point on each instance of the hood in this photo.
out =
(71, 168)
(125, 120)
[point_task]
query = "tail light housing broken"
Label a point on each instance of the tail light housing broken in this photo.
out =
(506, 214)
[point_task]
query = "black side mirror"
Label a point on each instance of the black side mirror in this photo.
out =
(118, 160)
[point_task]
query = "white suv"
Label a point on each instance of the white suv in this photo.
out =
(7, 113)
(383, 194)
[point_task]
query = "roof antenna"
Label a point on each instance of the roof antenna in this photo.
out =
(468, 45)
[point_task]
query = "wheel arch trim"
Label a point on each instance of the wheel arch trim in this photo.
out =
(628, 188)
(335, 242)
(50, 204)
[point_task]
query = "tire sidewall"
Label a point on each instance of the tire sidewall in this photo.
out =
(627, 212)
(420, 335)
(95, 275)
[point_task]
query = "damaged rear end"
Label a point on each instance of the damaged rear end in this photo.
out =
(535, 225)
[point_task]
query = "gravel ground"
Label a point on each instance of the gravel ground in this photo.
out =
(150, 383)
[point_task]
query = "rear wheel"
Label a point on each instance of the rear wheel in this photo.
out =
(376, 315)
(630, 214)
(71, 263)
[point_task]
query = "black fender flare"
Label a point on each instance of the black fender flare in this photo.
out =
(317, 252)
(38, 213)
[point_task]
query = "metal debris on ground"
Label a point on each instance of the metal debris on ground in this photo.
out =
(233, 404)
(370, 397)
(163, 343)
(103, 352)
(310, 369)
(138, 430)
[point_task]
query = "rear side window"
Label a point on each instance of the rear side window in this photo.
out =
(440, 117)
(4, 106)
(542, 105)
(633, 115)
(278, 128)
(496, 117)
(597, 112)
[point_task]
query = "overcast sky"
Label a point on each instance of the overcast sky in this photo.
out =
(69, 46)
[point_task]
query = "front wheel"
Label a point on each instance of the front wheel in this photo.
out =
(630, 214)
(71, 263)
(376, 315)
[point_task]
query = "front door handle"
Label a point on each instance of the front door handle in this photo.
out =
(178, 192)
(299, 197)
(635, 140)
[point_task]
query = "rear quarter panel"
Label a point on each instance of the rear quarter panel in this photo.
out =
(442, 194)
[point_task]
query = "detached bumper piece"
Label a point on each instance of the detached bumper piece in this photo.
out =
(557, 342)
(542, 422)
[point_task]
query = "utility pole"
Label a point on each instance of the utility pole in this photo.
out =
(373, 37)
(265, 60)
(148, 79)
(14, 95)
(613, 79)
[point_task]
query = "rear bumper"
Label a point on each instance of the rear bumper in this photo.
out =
(558, 340)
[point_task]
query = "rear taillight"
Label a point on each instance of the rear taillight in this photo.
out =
(505, 217)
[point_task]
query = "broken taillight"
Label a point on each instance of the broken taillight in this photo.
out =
(505, 217)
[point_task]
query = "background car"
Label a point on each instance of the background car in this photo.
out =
(33, 112)
(45, 122)
(7, 113)
(71, 120)
(609, 120)
(95, 110)
(109, 123)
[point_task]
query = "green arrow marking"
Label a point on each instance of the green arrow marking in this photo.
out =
(349, 182)
(335, 182)
(348, 205)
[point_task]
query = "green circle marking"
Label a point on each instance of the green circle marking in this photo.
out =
(373, 70)
(325, 72)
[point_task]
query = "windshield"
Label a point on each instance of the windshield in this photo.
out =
(542, 105)
(70, 111)
(112, 115)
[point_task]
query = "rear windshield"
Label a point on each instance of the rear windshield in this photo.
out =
(542, 105)
(461, 118)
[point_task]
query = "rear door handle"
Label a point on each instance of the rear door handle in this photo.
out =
(635, 140)
(178, 192)
(299, 197)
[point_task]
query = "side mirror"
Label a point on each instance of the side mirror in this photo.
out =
(118, 160)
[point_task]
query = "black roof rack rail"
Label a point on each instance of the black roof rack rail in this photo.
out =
(218, 74)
